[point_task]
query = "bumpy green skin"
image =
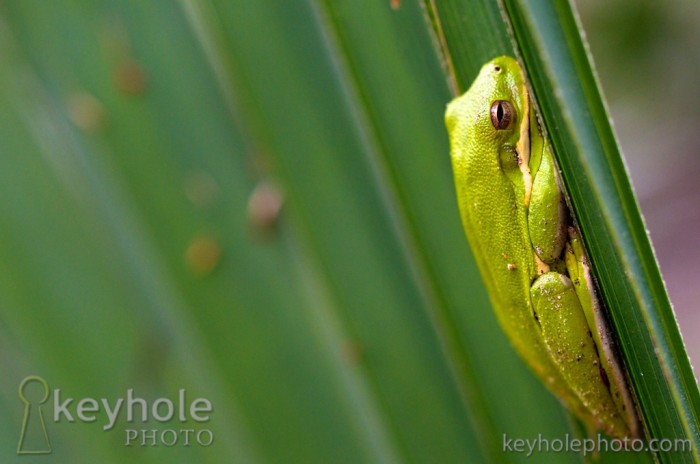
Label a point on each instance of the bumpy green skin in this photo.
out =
(515, 219)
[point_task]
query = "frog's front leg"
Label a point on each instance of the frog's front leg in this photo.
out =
(547, 211)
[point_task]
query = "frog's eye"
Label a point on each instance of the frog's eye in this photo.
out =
(502, 114)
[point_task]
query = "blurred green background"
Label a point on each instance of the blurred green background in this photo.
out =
(252, 201)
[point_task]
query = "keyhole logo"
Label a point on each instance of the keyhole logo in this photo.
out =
(187, 416)
(33, 438)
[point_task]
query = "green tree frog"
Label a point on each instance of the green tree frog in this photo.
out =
(532, 261)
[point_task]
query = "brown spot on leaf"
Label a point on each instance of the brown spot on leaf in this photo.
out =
(264, 206)
(352, 352)
(130, 78)
(201, 189)
(203, 254)
(86, 111)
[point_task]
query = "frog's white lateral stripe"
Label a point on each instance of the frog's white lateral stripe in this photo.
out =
(523, 147)
(613, 369)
